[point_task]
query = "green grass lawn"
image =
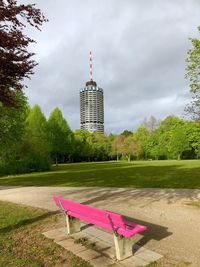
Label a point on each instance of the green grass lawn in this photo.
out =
(23, 245)
(140, 174)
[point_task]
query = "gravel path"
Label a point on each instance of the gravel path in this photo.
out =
(173, 226)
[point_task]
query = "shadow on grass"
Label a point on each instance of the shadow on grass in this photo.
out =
(162, 175)
(26, 222)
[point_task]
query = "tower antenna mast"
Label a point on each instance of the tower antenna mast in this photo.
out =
(90, 65)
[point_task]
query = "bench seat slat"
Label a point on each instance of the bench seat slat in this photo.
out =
(99, 215)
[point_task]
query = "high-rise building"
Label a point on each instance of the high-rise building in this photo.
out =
(91, 105)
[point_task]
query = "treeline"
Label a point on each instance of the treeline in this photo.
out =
(171, 138)
(31, 142)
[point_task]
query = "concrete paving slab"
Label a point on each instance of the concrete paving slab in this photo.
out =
(134, 262)
(53, 234)
(102, 249)
(149, 255)
(76, 248)
(67, 243)
(78, 235)
(102, 262)
(89, 254)
(93, 231)
(110, 252)
(137, 249)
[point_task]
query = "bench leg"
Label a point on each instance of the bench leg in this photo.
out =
(73, 225)
(123, 247)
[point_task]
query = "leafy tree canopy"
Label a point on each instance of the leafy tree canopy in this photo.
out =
(15, 60)
(60, 134)
(193, 75)
(12, 124)
(126, 133)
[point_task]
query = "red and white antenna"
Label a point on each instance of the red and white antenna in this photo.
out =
(90, 65)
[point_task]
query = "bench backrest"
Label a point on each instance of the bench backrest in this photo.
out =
(90, 214)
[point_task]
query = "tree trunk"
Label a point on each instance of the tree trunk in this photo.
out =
(179, 156)
(56, 161)
(129, 158)
(117, 157)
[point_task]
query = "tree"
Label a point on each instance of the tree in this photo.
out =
(98, 145)
(193, 75)
(130, 147)
(117, 145)
(60, 136)
(36, 148)
(15, 60)
(193, 133)
(152, 145)
(126, 133)
(12, 124)
(82, 150)
(150, 124)
(179, 142)
(141, 136)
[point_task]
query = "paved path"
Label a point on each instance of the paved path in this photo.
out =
(173, 226)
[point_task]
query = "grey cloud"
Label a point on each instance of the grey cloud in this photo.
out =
(139, 50)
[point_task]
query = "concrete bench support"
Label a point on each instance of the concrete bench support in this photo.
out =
(123, 247)
(73, 225)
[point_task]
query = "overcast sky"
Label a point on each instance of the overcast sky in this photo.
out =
(139, 49)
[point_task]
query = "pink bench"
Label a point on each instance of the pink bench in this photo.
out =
(122, 229)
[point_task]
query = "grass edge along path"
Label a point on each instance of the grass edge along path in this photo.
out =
(21, 241)
(138, 174)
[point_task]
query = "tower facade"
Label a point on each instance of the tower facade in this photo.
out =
(92, 105)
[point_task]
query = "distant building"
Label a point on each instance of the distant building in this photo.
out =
(92, 106)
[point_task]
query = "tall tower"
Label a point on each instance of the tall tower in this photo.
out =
(91, 105)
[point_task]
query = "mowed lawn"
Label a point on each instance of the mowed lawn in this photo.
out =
(21, 241)
(139, 174)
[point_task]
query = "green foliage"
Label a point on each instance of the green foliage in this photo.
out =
(131, 147)
(91, 146)
(36, 146)
(179, 142)
(61, 137)
(193, 133)
(193, 75)
(117, 146)
(12, 126)
(31, 143)
(141, 136)
(82, 150)
(126, 133)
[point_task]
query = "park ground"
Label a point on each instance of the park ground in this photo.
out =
(171, 214)
(137, 174)
(21, 241)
